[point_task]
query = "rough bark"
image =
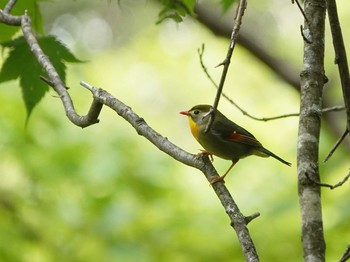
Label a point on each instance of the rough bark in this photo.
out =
(312, 82)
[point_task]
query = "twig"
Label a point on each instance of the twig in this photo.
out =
(249, 219)
(328, 185)
(9, 19)
(301, 9)
(346, 255)
(10, 4)
(243, 111)
(340, 54)
(201, 60)
(336, 145)
(333, 109)
(49, 82)
(226, 63)
(307, 38)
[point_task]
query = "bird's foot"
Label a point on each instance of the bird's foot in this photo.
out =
(216, 179)
(205, 153)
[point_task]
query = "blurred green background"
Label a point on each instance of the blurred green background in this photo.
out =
(104, 193)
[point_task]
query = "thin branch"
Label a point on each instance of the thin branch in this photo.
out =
(222, 27)
(346, 254)
(340, 183)
(336, 145)
(226, 63)
(205, 69)
(301, 9)
(243, 111)
(249, 219)
(333, 109)
(9, 19)
(306, 38)
(54, 78)
(340, 54)
(10, 4)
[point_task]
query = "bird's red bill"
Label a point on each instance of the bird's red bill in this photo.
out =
(186, 113)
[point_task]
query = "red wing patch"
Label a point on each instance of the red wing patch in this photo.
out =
(237, 137)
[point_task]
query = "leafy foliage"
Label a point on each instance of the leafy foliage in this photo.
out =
(176, 9)
(21, 64)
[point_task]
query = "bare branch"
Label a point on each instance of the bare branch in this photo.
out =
(328, 185)
(346, 254)
(226, 63)
(10, 4)
(54, 78)
(336, 145)
(243, 111)
(203, 163)
(9, 19)
(308, 38)
(249, 219)
(340, 54)
(301, 9)
(218, 26)
(333, 109)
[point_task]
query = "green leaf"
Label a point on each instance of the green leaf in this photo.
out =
(22, 64)
(176, 10)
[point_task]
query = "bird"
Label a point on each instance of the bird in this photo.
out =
(224, 138)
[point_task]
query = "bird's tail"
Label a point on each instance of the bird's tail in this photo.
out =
(269, 153)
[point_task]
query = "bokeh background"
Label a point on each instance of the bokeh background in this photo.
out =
(104, 193)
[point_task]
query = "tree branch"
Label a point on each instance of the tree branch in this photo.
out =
(346, 255)
(9, 19)
(10, 4)
(57, 84)
(238, 221)
(340, 183)
(213, 21)
(226, 63)
(241, 109)
(336, 145)
(340, 54)
(300, 9)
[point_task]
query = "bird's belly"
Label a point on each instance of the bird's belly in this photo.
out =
(225, 149)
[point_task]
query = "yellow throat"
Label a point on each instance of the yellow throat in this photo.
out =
(193, 127)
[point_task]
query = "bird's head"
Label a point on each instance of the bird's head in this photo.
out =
(199, 114)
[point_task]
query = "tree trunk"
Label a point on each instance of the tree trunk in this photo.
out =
(312, 82)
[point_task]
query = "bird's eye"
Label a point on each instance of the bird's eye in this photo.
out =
(196, 112)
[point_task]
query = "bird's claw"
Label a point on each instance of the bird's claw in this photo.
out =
(216, 179)
(205, 153)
